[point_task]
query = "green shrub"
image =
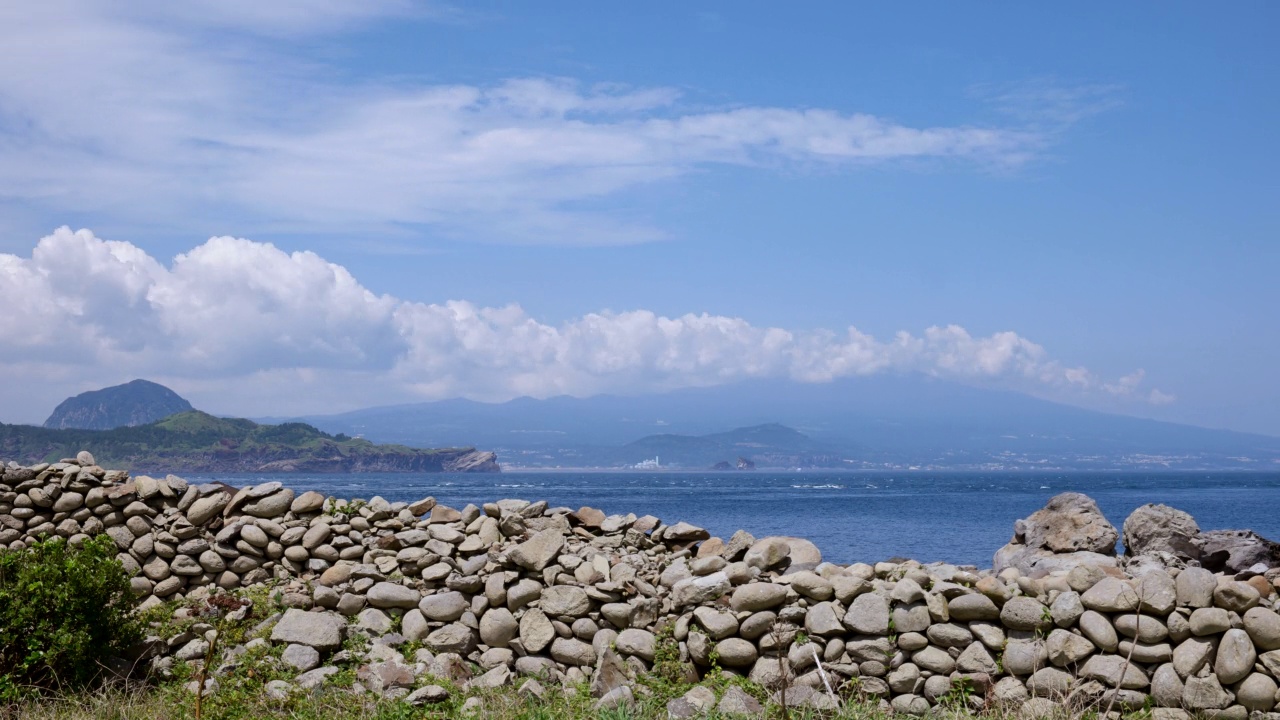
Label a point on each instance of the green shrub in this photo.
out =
(63, 611)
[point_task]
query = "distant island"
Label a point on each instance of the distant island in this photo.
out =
(134, 403)
(195, 441)
(144, 426)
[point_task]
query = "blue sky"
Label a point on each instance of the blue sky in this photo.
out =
(1096, 182)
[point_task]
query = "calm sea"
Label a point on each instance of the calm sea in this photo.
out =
(853, 517)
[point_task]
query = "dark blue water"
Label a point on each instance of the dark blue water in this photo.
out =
(853, 517)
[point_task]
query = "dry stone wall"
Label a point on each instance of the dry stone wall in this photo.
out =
(519, 593)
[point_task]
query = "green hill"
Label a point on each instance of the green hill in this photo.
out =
(133, 403)
(196, 441)
(769, 445)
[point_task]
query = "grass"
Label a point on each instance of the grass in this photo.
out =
(170, 702)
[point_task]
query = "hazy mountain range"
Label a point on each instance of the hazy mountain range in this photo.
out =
(882, 422)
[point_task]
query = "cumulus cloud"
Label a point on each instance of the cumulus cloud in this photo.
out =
(265, 331)
(166, 114)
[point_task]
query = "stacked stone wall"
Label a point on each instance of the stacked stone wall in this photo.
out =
(518, 590)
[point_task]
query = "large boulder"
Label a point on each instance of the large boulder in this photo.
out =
(1161, 529)
(1070, 522)
(1067, 532)
(1237, 550)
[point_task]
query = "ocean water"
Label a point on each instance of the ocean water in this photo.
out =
(852, 517)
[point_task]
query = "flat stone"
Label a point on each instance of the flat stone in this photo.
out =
(1114, 671)
(1025, 613)
(1111, 595)
(1066, 648)
(754, 597)
(322, 631)
(698, 590)
(308, 502)
(565, 601)
(392, 595)
(867, 615)
(1192, 654)
(537, 552)
(444, 607)
(536, 631)
(973, 607)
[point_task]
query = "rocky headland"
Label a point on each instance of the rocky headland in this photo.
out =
(517, 593)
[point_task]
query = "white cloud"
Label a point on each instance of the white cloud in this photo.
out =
(165, 115)
(260, 331)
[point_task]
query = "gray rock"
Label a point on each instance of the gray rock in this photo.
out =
(322, 631)
(1068, 523)
(313, 679)
(1025, 613)
(428, 695)
(452, 638)
(1111, 595)
(392, 595)
(972, 607)
(1099, 630)
(1160, 528)
(537, 552)
(736, 702)
(867, 615)
(718, 625)
(498, 627)
(536, 631)
(736, 652)
(565, 601)
(1065, 648)
(1257, 693)
(1235, 657)
(444, 607)
(1066, 609)
(976, 659)
(1192, 654)
(1205, 693)
(572, 652)
(301, 657)
(1209, 621)
(1166, 686)
(1236, 596)
(1114, 671)
(1023, 657)
(1195, 587)
(1142, 628)
(641, 643)
(270, 506)
(1263, 626)
(934, 660)
(1236, 551)
(698, 590)
(754, 597)
(823, 620)
(206, 508)
(1050, 682)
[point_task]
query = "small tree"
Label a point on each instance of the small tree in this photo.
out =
(63, 610)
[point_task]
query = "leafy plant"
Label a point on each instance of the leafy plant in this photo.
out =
(62, 610)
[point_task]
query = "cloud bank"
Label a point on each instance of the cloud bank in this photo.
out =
(164, 116)
(250, 329)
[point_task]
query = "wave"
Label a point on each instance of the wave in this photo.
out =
(819, 487)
